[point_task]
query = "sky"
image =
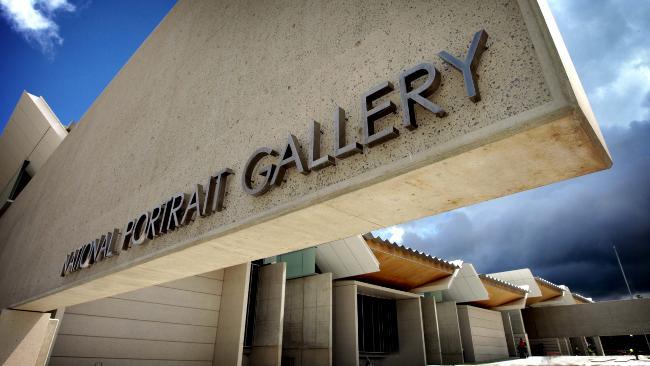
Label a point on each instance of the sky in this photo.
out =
(68, 51)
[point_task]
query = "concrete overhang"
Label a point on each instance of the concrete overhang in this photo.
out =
(346, 258)
(369, 289)
(502, 294)
(32, 133)
(466, 287)
(180, 110)
(520, 277)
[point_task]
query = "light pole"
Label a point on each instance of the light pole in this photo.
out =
(628, 289)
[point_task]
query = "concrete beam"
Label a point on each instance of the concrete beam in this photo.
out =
(147, 138)
(25, 337)
(606, 318)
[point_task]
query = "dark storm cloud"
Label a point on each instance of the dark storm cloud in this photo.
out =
(615, 29)
(563, 232)
(608, 42)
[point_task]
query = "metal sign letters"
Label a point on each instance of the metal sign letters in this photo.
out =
(183, 208)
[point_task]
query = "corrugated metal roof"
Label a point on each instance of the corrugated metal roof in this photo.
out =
(410, 251)
(549, 284)
(503, 283)
(583, 298)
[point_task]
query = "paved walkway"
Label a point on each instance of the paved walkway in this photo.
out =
(574, 360)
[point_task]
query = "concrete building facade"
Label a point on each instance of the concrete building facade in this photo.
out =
(189, 236)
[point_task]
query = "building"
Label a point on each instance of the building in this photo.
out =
(31, 135)
(172, 225)
(348, 302)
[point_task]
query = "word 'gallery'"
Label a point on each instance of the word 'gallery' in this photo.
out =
(180, 210)
(266, 255)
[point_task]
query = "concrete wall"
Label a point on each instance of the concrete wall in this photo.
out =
(451, 346)
(229, 342)
(269, 316)
(482, 334)
(510, 340)
(32, 133)
(308, 321)
(168, 323)
(431, 333)
(25, 337)
(198, 96)
(606, 318)
(345, 326)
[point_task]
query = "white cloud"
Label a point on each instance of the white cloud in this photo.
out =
(394, 234)
(34, 20)
(622, 100)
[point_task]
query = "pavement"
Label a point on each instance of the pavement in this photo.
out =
(573, 360)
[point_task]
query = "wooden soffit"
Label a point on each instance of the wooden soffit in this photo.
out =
(403, 268)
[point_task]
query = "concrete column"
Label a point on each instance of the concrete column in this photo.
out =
(346, 339)
(308, 321)
(518, 328)
(599, 346)
(266, 349)
(507, 328)
(431, 333)
(565, 346)
(53, 329)
(451, 347)
(25, 337)
(482, 334)
(228, 346)
(578, 346)
(411, 335)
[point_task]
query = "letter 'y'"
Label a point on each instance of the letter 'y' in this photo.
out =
(468, 67)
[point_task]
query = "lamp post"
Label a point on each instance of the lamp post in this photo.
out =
(620, 265)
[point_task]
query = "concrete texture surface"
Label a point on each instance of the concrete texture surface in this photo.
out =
(605, 318)
(269, 316)
(22, 337)
(431, 333)
(345, 325)
(172, 321)
(510, 339)
(308, 321)
(229, 342)
(482, 334)
(217, 80)
(411, 335)
(32, 133)
(451, 345)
